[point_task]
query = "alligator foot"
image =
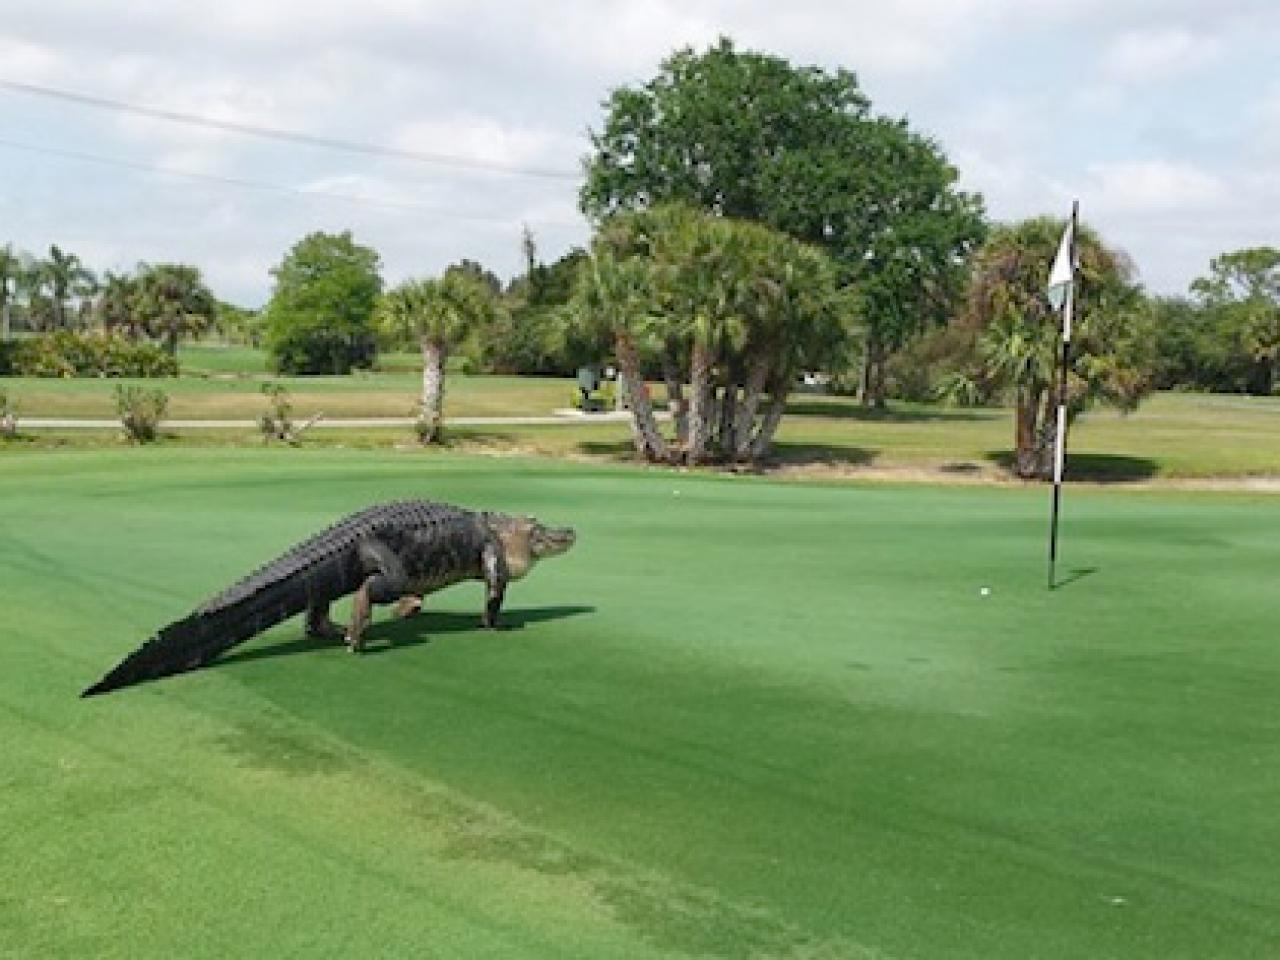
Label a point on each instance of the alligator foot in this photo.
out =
(361, 614)
(409, 606)
(325, 630)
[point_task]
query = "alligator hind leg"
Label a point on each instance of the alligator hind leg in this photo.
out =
(385, 583)
(319, 626)
(410, 605)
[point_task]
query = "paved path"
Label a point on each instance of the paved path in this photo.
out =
(559, 418)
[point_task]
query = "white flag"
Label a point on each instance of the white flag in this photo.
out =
(1061, 276)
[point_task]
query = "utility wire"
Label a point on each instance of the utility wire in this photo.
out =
(289, 136)
(264, 185)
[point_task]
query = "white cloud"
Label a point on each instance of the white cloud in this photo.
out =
(28, 62)
(1153, 186)
(480, 138)
(1152, 55)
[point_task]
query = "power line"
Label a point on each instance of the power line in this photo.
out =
(263, 185)
(288, 136)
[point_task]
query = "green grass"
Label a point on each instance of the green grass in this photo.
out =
(1172, 435)
(741, 718)
(220, 359)
(359, 395)
(209, 358)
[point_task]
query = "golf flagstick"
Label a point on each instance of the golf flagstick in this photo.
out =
(1062, 294)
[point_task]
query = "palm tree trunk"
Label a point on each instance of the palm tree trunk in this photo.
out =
(648, 440)
(753, 393)
(675, 395)
(1025, 457)
(431, 426)
(724, 443)
(762, 442)
(1047, 436)
(699, 403)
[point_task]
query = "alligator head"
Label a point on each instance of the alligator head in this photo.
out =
(526, 541)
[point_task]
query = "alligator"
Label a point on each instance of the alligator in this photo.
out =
(389, 553)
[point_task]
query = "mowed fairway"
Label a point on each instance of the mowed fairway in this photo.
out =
(742, 718)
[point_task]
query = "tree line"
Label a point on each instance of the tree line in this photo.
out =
(58, 293)
(753, 220)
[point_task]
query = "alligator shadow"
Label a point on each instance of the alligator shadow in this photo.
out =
(400, 634)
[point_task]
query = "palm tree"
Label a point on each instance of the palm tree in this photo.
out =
(617, 295)
(63, 275)
(440, 313)
(116, 306)
(1018, 332)
(171, 301)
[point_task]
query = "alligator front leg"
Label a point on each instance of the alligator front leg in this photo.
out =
(495, 584)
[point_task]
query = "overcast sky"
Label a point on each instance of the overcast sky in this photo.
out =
(1162, 116)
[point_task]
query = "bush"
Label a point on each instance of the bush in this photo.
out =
(68, 354)
(140, 412)
(7, 350)
(303, 349)
(941, 364)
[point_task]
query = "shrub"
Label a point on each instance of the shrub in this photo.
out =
(277, 422)
(69, 354)
(7, 350)
(304, 348)
(941, 364)
(140, 412)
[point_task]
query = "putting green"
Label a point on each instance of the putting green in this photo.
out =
(741, 718)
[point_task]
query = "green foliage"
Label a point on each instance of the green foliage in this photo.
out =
(68, 354)
(51, 283)
(238, 325)
(171, 301)
(944, 364)
(1241, 300)
(442, 311)
(140, 411)
(320, 316)
(439, 314)
(116, 307)
(1112, 345)
(733, 307)
(748, 135)
(534, 334)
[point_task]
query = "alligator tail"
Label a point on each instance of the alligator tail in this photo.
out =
(279, 590)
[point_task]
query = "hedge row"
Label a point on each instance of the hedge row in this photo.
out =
(67, 354)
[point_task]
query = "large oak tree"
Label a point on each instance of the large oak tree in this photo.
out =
(750, 136)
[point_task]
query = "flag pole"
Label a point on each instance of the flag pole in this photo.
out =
(1060, 434)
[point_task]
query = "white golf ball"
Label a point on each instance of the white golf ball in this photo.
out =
(985, 591)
